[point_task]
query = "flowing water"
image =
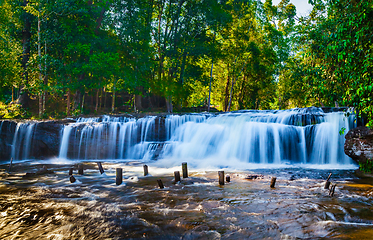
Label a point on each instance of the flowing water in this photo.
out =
(300, 147)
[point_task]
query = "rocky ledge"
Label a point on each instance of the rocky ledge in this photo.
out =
(359, 144)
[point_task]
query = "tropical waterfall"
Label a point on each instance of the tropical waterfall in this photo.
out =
(300, 136)
(22, 140)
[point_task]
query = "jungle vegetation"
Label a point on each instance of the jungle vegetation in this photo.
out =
(68, 57)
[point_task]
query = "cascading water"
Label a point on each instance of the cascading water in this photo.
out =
(296, 136)
(22, 140)
(107, 138)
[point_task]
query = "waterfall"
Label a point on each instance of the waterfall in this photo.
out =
(296, 136)
(107, 138)
(22, 140)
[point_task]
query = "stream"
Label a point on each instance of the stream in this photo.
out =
(300, 147)
(94, 207)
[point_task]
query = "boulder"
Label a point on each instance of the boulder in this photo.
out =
(359, 144)
(46, 140)
(7, 129)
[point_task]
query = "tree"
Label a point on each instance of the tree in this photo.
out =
(10, 49)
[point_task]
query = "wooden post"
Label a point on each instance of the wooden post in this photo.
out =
(72, 179)
(80, 169)
(327, 183)
(273, 182)
(10, 165)
(119, 176)
(100, 167)
(221, 177)
(177, 176)
(71, 171)
(185, 169)
(160, 184)
(146, 170)
(332, 189)
(228, 178)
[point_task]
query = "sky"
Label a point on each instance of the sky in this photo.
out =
(302, 6)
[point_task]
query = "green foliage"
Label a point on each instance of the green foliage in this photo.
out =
(367, 167)
(342, 131)
(334, 60)
(10, 50)
(261, 55)
(11, 111)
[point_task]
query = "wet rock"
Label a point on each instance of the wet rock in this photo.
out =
(254, 176)
(205, 235)
(40, 172)
(46, 141)
(359, 144)
(7, 129)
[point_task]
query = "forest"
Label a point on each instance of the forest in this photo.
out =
(70, 57)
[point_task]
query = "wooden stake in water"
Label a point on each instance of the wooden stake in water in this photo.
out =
(327, 183)
(71, 171)
(332, 189)
(119, 176)
(177, 176)
(160, 184)
(10, 165)
(80, 169)
(273, 182)
(228, 178)
(100, 167)
(146, 170)
(185, 169)
(221, 177)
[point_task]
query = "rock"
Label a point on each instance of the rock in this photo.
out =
(40, 172)
(46, 141)
(7, 129)
(254, 176)
(359, 144)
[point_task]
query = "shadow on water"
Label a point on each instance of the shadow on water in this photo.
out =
(48, 206)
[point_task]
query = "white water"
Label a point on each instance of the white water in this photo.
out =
(22, 140)
(249, 137)
(245, 138)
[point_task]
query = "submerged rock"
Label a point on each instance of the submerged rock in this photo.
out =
(40, 172)
(359, 144)
(254, 176)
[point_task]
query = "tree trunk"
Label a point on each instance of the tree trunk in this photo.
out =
(45, 79)
(212, 66)
(77, 99)
(138, 105)
(230, 96)
(113, 100)
(100, 105)
(169, 104)
(233, 83)
(68, 103)
(105, 99)
(24, 98)
(40, 74)
(96, 108)
(226, 93)
(241, 95)
(82, 106)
